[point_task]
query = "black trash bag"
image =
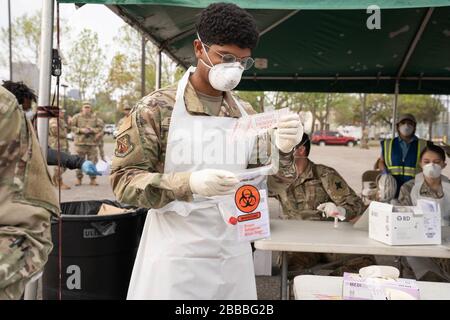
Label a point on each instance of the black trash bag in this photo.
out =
(91, 207)
(98, 252)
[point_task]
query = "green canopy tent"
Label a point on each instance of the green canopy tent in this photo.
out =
(305, 45)
(317, 46)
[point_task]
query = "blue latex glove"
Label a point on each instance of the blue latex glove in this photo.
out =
(88, 167)
(385, 171)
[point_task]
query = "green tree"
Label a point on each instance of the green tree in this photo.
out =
(424, 107)
(106, 107)
(26, 36)
(85, 63)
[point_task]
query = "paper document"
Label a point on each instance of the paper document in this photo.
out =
(257, 124)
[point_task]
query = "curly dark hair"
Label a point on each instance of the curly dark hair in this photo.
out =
(226, 23)
(20, 90)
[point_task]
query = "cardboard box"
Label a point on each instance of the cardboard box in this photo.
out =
(357, 288)
(400, 225)
(106, 209)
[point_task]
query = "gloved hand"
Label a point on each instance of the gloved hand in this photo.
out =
(329, 209)
(289, 132)
(88, 167)
(212, 182)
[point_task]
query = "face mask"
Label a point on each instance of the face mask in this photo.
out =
(406, 129)
(432, 170)
(223, 76)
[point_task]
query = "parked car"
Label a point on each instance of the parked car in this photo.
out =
(325, 137)
(109, 128)
(385, 135)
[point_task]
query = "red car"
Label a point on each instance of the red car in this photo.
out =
(325, 137)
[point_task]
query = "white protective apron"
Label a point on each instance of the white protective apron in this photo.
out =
(187, 251)
(422, 265)
(444, 202)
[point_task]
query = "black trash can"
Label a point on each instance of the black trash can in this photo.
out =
(98, 252)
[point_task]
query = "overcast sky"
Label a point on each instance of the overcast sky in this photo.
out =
(95, 17)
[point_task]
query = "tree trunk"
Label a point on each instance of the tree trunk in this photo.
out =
(313, 119)
(261, 102)
(430, 130)
(364, 133)
(327, 113)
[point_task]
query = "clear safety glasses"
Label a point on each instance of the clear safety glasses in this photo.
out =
(246, 62)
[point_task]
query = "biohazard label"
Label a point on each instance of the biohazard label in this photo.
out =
(252, 213)
(247, 198)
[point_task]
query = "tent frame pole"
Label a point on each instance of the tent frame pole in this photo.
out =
(45, 68)
(416, 39)
(158, 69)
(394, 109)
(143, 41)
(135, 24)
(276, 24)
(405, 61)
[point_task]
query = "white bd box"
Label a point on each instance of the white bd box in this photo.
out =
(403, 225)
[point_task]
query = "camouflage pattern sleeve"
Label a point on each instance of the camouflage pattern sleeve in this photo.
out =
(404, 196)
(25, 240)
(341, 194)
(74, 124)
(53, 127)
(99, 126)
(137, 174)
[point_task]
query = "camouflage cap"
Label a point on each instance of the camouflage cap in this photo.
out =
(127, 107)
(86, 103)
(406, 116)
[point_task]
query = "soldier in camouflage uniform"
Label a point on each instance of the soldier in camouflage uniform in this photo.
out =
(85, 126)
(428, 269)
(139, 177)
(63, 145)
(27, 201)
(317, 184)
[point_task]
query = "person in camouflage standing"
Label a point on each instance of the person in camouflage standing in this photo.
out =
(63, 145)
(314, 186)
(85, 126)
(197, 255)
(27, 201)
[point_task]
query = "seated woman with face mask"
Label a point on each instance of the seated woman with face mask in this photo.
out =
(430, 183)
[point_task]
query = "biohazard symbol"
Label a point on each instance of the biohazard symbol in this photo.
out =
(247, 198)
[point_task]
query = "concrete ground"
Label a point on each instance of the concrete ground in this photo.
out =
(349, 162)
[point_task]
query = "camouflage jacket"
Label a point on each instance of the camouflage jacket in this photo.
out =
(24, 177)
(316, 185)
(53, 134)
(404, 196)
(92, 122)
(137, 175)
